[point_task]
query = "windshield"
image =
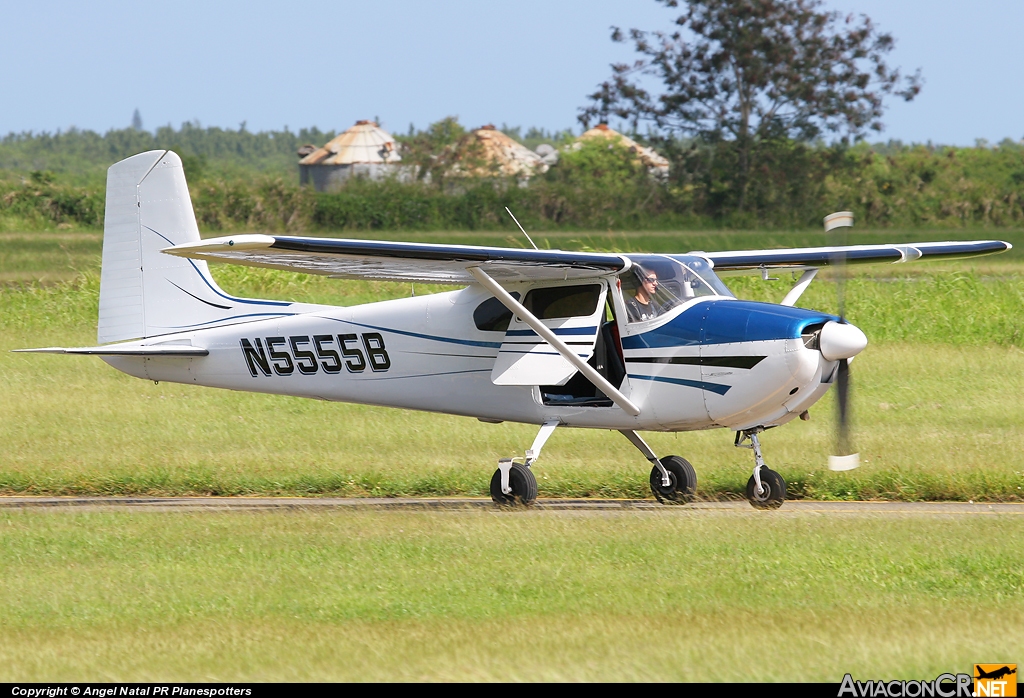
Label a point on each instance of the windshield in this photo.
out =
(656, 284)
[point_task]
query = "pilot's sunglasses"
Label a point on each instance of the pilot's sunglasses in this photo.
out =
(651, 279)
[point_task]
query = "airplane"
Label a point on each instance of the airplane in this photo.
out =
(595, 340)
(995, 674)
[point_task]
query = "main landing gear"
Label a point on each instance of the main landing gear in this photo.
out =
(513, 483)
(765, 489)
(673, 479)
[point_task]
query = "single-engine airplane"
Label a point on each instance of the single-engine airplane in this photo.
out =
(628, 342)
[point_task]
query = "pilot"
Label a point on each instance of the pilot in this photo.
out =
(641, 306)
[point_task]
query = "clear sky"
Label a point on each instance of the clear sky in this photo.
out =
(527, 63)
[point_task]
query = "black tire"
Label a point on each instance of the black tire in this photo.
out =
(683, 478)
(522, 482)
(776, 494)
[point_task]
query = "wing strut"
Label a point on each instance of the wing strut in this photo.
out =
(798, 290)
(540, 328)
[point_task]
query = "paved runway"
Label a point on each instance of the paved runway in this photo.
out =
(457, 503)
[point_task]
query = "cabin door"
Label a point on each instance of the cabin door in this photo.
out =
(573, 312)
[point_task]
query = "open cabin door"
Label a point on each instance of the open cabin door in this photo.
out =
(573, 312)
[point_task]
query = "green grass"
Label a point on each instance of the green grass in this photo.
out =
(932, 422)
(937, 408)
(48, 257)
(668, 594)
(369, 596)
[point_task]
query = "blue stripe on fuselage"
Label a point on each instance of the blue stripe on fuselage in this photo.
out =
(586, 331)
(420, 335)
(717, 388)
(728, 321)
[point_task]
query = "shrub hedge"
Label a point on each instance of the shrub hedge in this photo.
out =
(898, 186)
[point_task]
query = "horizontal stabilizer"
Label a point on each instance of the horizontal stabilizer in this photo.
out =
(123, 350)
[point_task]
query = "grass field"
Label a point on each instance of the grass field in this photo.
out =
(932, 423)
(661, 595)
(937, 407)
(372, 596)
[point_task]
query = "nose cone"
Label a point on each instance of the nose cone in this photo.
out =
(841, 341)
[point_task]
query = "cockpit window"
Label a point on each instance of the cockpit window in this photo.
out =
(563, 301)
(492, 315)
(656, 284)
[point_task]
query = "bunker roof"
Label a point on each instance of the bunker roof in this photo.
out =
(497, 154)
(648, 156)
(366, 142)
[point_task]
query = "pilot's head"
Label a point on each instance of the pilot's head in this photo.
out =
(648, 281)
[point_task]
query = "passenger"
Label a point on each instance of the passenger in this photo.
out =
(642, 306)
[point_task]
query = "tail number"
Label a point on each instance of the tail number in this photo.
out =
(321, 352)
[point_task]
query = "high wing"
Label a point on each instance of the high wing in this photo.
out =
(815, 257)
(449, 264)
(401, 261)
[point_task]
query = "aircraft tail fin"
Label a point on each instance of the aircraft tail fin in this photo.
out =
(144, 293)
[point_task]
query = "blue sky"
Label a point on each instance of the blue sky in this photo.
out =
(528, 63)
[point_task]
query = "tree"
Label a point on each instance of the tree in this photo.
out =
(746, 72)
(433, 151)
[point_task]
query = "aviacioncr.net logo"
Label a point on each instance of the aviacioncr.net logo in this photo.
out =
(944, 686)
(995, 680)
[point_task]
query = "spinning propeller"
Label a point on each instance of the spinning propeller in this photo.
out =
(836, 229)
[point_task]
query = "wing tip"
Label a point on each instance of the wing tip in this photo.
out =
(248, 241)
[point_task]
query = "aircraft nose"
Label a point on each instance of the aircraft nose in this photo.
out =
(841, 341)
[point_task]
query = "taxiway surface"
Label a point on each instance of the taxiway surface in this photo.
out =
(456, 503)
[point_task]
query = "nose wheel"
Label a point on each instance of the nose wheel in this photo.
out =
(772, 492)
(765, 489)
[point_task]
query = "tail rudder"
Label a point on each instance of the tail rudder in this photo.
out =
(144, 293)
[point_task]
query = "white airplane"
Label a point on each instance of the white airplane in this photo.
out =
(629, 342)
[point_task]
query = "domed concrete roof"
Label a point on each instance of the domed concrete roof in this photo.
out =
(499, 155)
(366, 142)
(648, 156)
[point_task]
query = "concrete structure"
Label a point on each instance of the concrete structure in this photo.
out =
(657, 165)
(487, 152)
(365, 150)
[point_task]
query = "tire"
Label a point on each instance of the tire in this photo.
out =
(776, 494)
(683, 479)
(522, 482)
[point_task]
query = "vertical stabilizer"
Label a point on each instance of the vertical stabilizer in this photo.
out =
(144, 293)
(121, 302)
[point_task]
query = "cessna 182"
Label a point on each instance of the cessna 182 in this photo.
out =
(628, 342)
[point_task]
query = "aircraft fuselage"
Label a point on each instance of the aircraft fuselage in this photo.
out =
(711, 362)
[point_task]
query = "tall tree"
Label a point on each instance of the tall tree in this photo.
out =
(749, 71)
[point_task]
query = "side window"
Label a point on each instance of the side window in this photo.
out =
(563, 301)
(492, 316)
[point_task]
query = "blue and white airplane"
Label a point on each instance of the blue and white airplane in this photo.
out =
(630, 342)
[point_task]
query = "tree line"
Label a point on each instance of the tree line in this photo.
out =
(83, 156)
(595, 188)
